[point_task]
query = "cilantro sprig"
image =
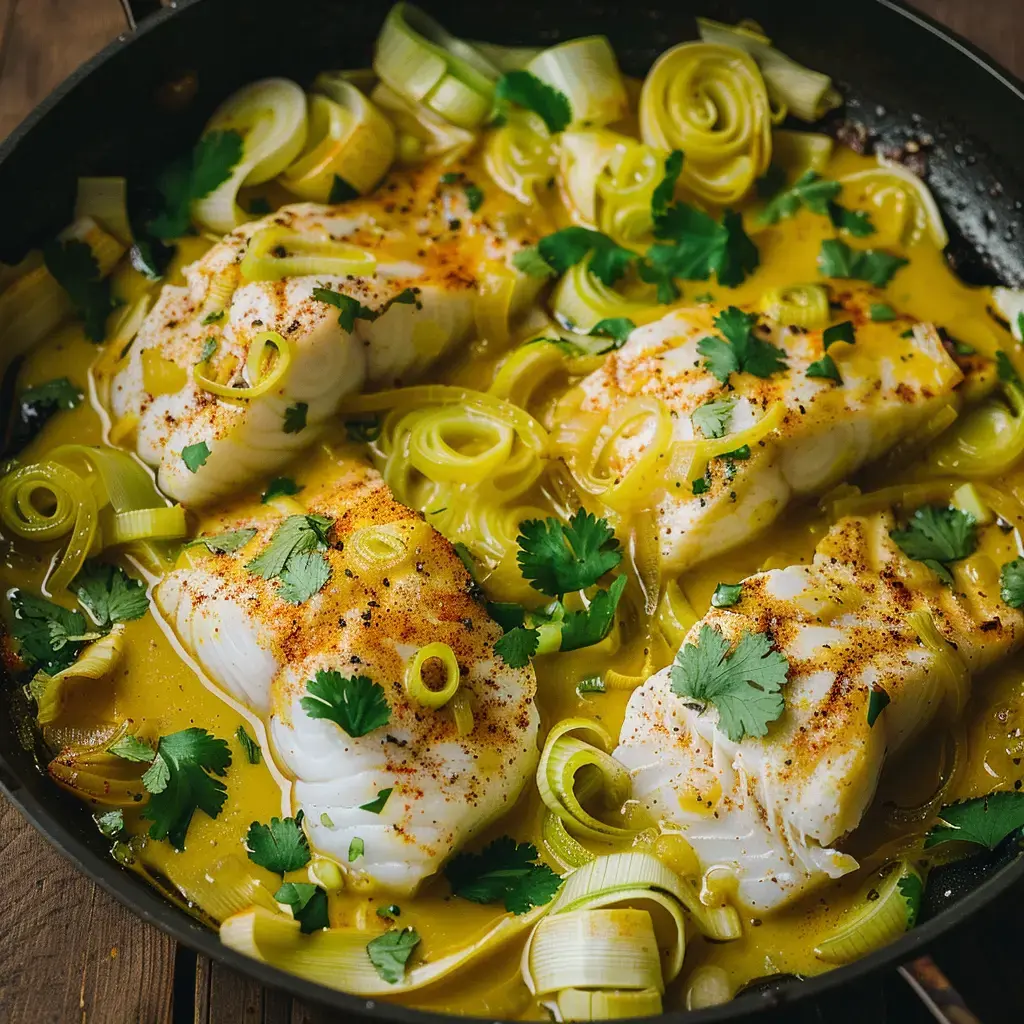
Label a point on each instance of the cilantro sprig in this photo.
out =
(294, 557)
(837, 259)
(1011, 580)
(713, 419)
(308, 904)
(352, 309)
(77, 271)
(985, 821)
(281, 845)
(356, 704)
(742, 352)
(389, 953)
(38, 404)
(744, 683)
(525, 89)
(813, 192)
(938, 536)
(226, 543)
(50, 635)
(557, 252)
(109, 594)
(504, 871)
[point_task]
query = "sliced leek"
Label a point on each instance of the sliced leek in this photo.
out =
(270, 115)
(417, 687)
(591, 1004)
(586, 72)
(804, 93)
(799, 305)
(421, 61)
(987, 441)
(708, 985)
(97, 660)
(349, 138)
(519, 156)
(422, 134)
(799, 152)
(692, 457)
(105, 200)
(567, 851)
(902, 206)
(263, 372)
(275, 252)
(710, 102)
(583, 301)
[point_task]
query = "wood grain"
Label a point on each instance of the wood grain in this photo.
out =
(69, 953)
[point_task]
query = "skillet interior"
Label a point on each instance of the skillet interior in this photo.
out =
(117, 116)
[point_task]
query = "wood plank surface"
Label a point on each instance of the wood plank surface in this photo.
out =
(69, 953)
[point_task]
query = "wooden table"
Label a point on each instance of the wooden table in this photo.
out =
(68, 952)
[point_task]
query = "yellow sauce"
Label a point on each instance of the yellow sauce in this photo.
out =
(156, 688)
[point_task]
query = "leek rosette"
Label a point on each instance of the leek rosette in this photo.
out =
(797, 90)
(95, 498)
(799, 305)
(608, 181)
(710, 102)
(902, 206)
(348, 138)
(420, 60)
(586, 72)
(520, 156)
(270, 115)
(97, 660)
(275, 252)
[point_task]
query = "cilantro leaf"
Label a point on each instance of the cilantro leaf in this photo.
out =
(195, 455)
(526, 90)
(713, 419)
(504, 871)
(1011, 578)
(826, 368)
(131, 748)
(838, 332)
(195, 177)
(286, 557)
(180, 782)
(726, 595)
(810, 191)
(912, 890)
(856, 222)
(206, 352)
(225, 543)
(586, 628)
(938, 536)
(474, 196)
(363, 431)
(878, 701)
(36, 626)
(618, 328)
(376, 805)
(745, 353)
(280, 487)
(305, 574)
(664, 192)
(390, 952)
(75, 269)
(391, 911)
(744, 685)
(559, 559)
(281, 846)
(882, 312)
(212, 318)
(517, 646)
(837, 259)
(38, 404)
(295, 417)
(351, 309)
(249, 746)
(308, 904)
(985, 820)
(109, 594)
(564, 249)
(531, 263)
(1005, 369)
(341, 191)
(111, 824)
(357, 704)
(356, 849)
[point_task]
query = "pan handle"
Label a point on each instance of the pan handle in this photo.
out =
(135, 11)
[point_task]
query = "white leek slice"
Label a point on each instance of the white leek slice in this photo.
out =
(804, 93)
(798, 305)
(590, 1004)
(583, 301)
(506, 58)
(1009, 303)
(986, 441)
(799, 152)
(706, 986)
(423, 62)
(422, 134)
(105, 200)
(587, 73)
(275, 253)
(349, 138)
(519, 156)
(270, 115)
(336, 957)
(96, 661)
(904, 209)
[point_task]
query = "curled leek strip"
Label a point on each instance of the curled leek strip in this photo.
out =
(270, 115)
(377, 547)
(92, 773)
(530, 366)
(519, 156)
(96, 661)
(697, 454)
(484, 444)
(566, 755)
(422, 134)
(587, 73)
(421, 61)
(905, 211)
(709, 101)
(590, 1004)
(568, 852)
(950, 664)
(261, 378)
(886, 910)
(275, 253)
(148, 524)
(584, 301)
(416, 686)
(987, 441)
(349, 138)
(105, 200)
(799, 305)
(336, 957)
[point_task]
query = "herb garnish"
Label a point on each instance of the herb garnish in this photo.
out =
(356, 704)
(985, 820)
(526, 90)
(938, 537)
(744, 352)
(280, 846)
(76, 270)
(837, 259)
(504, 871)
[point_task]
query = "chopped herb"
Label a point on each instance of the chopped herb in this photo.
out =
(465, 555)
(531, 263)
(826, 368)
(109, 594)
(281, 846)
(38, 404)
(713, 419)
(665, 191)
(206, 352)
(878, 701)
(1006, 370)
(558, 559)
(211, 318)
(226, 543)
(704, 298)
(743, 684)
(855, 222)
(592, 684)
(195, 455)
(390, 952)
(49, 634)
(325, 820)
(617, 328)
(882, 312)
(356, 704)
(938, 537)
(76, 270)
(131, 748)
(280, 487)
(341, 191)
(351, 309)
(701, 485)
(363, 431)
(356, 849)
(305, 575)
(526, 90)
(111, 824)
(504, 871)
(963, 349)
(911, 889)
(726, 595)
(195, 177)
(837, 259)
(810, 191)
(295, 417)
(564, 249)
(985, 820)
(180, 782)
(586, 628)
(474, 197)
(392, 910)
(740, 454)
(376, 805)
(743, 353)
(838, 332)
(451, 177)
(1011, 579)
(308, 905)
(517, 646)
(259, 206)
(249, 746)
(294, 557)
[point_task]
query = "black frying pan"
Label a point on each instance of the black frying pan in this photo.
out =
(145, 98)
